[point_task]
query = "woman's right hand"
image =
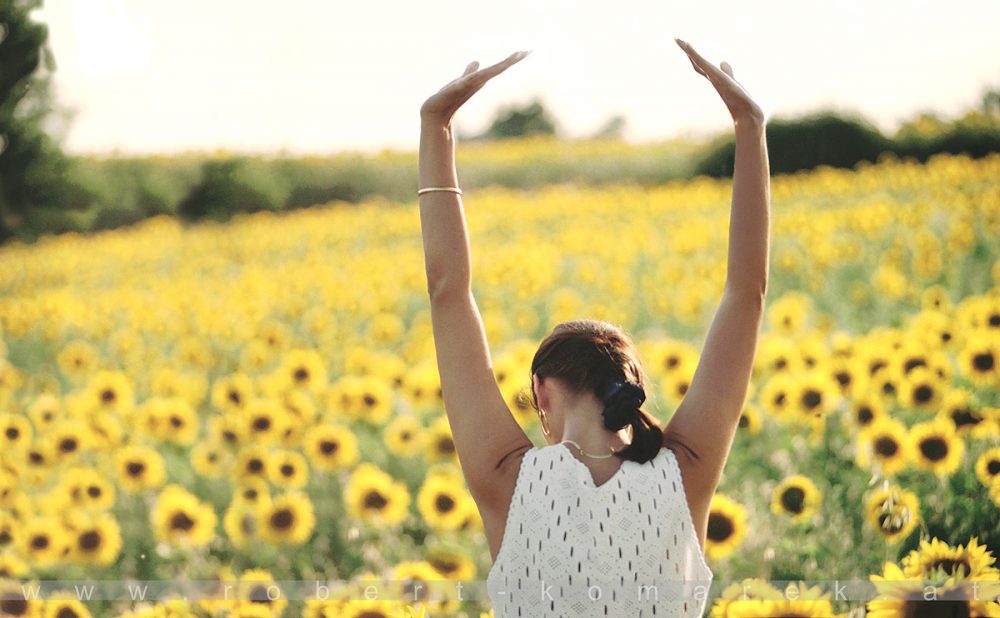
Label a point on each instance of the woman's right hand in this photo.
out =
(443, 104)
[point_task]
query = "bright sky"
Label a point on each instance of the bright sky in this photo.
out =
(320, 76)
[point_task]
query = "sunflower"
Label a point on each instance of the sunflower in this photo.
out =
(264, 420)
(11, 566)
(374, 401)
(452, 565)
(788, 314)
(893, 511)
(776, 396)
(193, 352)
(936, 447)
(45, 410)
(304, 369)
(139, 468)
(900, 594)
(364, 608)
(885, 443)
(727, 526)
(422, 386)
(14, 601)
(748, 589)
(373, 495)
(111, 391)
(257, 591)
(15, 431)
(814, 396)
(988, 466)
(233, 392)
(178, 516)
(331, 446)
(518, 400)
(863, 411)
(750, 419)
(994, 492)
(288, 469)
(177, 421)
(77, 359)
(968, 419)
(797, 600)
(777, 354)
(439, 444)
(979, 359)
(69, 439)
(287, 518)
(209, 460)
(300, 406)
(64, 608)
(42, 541)
(847, 375)
(96, 537)
(965, 561)
(255, 356)
(885, 383)
(252, 461)
(796, 496)
(441, 503)
(86, 487)
(920, 389)
(419, 580)
(227, 429)
(241, 521)
(402, 435)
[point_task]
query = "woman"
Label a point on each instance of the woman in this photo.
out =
(604, 520)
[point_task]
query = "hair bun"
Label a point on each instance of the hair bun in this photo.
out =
(622, 401)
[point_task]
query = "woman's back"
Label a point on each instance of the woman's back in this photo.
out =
(626, 547)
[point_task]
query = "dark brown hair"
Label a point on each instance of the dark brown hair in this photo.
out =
(590, 356)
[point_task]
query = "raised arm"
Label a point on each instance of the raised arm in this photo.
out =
(707, 418)
(487, 438)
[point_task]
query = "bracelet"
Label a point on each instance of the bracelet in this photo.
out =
(428, 189)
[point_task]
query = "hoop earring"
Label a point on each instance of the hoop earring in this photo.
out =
(544, 423)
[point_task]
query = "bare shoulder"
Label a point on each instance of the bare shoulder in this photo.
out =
(494, 504)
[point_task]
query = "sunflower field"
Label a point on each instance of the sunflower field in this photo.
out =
(258, 399)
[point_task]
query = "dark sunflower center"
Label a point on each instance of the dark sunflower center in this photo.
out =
(135, 468)
(934, 449)
(886, 446)
(261, 423)
(287, 469)
(375, 500)
(235, 397)
(445, 445)
(282, 519)
(444, 503)
(107, 395)
(40, 542)
(965, 416)
(744, 421)
(181, 521)
(811, 398)
(328, 446)
(12, 433)
(720, 527)
(793, 499)
(923, 393)
(983, 362)
(865, 415)
(94, 491)
(14, 607)
(68, 445)
(369, 400)
(89, 540)
(255, 465)
(993, 467)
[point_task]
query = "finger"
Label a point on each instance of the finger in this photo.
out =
(498, 68)
(696, 67)
(727, 68)
(710, 69)
(472, 67)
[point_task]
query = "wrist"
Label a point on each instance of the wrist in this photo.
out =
(431, 124)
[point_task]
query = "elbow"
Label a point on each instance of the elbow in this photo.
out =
(750, 293)
(439, 287)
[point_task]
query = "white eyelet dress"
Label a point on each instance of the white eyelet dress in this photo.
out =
(626, 547)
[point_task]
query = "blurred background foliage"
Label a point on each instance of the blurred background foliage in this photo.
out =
(44, 190)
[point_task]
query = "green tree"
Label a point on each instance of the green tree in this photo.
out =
(517, 121)
(35, 192)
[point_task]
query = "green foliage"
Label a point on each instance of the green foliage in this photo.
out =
(230, 185)
(804, 143)
(518, 121)
(35, 187)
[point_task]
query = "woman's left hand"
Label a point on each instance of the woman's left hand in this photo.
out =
(443, 104)
(741, 107)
